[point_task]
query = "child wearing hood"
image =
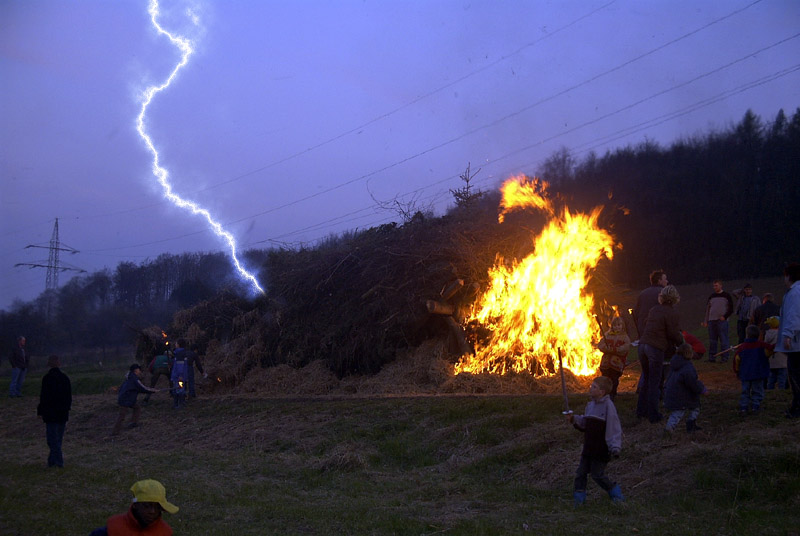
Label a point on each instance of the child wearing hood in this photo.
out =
(751, 365)
(615, 345)
(683, 390)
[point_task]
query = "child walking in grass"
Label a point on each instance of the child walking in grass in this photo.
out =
(602, 439)
(683, 390)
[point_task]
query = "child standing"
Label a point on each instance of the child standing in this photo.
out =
(777, 360)
(683, 390)
(602, 437)
(179, 379)
(752, 367)
(614, 345)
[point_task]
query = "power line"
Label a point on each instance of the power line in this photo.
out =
(477, 129)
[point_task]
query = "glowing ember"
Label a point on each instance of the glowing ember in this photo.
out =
(537, 305)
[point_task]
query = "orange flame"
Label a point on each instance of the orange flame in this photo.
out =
(537, 305)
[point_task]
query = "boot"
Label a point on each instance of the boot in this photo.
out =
(616, 494)
(579, 497)
(691, 426)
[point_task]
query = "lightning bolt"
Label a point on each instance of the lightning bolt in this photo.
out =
(185, 46)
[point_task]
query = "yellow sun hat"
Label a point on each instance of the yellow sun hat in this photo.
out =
(152, 491)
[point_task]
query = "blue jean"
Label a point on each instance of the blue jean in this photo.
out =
(17, 377)
(676, 416)
(777, 376)
(597, 468)
(55, 435)
(649, 388)
(718, 329)
(752, 394)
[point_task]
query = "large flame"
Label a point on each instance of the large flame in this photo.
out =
(540, 304)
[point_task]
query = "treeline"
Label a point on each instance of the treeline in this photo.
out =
(720, 205)
(724, 204)
(105, 308)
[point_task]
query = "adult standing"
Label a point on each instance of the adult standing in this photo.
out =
(19, 367)
(767, 309)
(789, 334)
(192, 361)
(662, 333)
(718, 308)
(746, 305)
(55, 401)
(648, 299)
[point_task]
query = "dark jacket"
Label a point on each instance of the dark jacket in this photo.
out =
(55, 398)
(683, 388)
(19, 358)
(662, 329)
(751, 361)
(601, 427)
(646, 301)
(130, 389)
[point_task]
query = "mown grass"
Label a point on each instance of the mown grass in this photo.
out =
(459, 465)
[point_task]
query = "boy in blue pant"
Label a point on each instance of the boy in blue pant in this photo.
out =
(602, 439)
(751, 365)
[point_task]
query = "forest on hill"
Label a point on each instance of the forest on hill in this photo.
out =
(723, 204)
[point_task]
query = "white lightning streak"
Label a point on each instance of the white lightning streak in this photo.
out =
(185, 46)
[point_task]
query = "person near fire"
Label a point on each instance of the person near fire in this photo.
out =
(683, 389)
(789, 334)
(179, 374)
(777, 360)
(192, 361)
(55, 401)
(128, 393)
(767, 309)
(746, 305)
(19, 368)
(159, 366)
(143, 515)
(719, 307)
(751, 365)
(661, 334)
(615, 345)
(602, 439)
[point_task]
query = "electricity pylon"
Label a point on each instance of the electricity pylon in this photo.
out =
(53, 265)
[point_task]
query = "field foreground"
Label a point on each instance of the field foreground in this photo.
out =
(400, 465)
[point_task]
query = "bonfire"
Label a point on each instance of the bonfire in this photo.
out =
(537, 305)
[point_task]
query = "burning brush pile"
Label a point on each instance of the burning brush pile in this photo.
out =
(350, 317)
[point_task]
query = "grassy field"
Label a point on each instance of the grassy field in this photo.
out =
(379, 465)
(391, 465)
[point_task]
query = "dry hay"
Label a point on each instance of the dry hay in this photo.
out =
(426, 370)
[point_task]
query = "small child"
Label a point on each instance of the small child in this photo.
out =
(683, 390)
(178, 378)
(614, 345)
(602, 436)
(777, 360)
(752, 367)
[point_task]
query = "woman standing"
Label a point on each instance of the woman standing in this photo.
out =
(662, 332)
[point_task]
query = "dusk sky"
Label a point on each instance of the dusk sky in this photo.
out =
(297, 119)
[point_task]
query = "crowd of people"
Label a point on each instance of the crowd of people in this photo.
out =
(767, 353)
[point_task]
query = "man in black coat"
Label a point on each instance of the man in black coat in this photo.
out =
(55, 401)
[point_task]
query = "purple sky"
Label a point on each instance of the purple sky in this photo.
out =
(295, 120)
